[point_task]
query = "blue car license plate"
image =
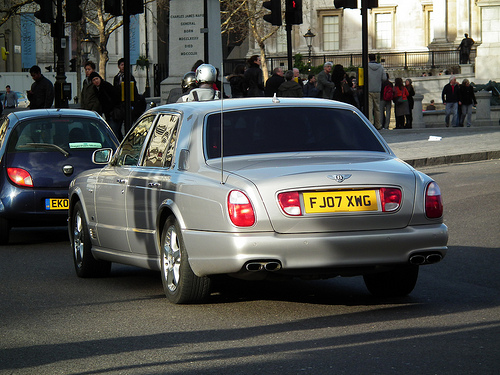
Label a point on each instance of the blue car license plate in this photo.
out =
(56, 204)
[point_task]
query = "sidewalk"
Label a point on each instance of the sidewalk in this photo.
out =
(456, 145)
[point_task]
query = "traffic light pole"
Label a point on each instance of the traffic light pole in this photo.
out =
(59, 100)
(128, 75)
(288, 29)
(364, 37)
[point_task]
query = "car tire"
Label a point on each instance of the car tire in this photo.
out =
(398, 282)
(85, 264)
(4, 231)
(180, 283)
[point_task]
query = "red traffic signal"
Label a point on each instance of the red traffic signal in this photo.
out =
(274, 18)
(293, 12)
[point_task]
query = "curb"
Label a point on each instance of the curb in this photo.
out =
(453, 159)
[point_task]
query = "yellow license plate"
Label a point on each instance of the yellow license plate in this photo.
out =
(340, 201)
(56, 204)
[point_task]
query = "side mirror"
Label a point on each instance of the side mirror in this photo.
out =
(102, 156)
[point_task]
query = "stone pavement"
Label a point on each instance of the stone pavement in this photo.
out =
(434, 146)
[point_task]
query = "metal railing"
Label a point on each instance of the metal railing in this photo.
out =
(392, 60)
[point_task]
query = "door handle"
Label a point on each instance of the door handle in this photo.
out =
(154, 184)
(121, 180)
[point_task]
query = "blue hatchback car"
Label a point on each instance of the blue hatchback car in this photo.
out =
(41, 151)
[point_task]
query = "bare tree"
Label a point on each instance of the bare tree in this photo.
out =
(241, 16)
(12, 8)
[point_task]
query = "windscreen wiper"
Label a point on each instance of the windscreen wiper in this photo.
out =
(48, 145)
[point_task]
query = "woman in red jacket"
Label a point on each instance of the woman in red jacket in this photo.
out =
(400, 103)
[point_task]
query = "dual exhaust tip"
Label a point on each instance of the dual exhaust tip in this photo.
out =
(420, 259)
(270, 266)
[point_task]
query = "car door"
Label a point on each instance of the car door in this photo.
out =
(150, 183)
(111, 189)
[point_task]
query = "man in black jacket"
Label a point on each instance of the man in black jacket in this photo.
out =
(450, 97)
(41, 94)
(274, 82)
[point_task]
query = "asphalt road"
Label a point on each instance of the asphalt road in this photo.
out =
(51, 322)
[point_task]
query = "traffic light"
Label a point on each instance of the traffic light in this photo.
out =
(113, 7)
(135, 6)
(369, 4)
(73, 11)
(293, 12)
(46, 12)
(72, 65)
(274, 18)
(352, 4)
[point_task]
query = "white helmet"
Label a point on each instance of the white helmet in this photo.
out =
(206, 73)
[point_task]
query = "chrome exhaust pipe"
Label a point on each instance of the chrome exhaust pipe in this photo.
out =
(433, 258)
(272, 266)
(254, 266)
(417, 259)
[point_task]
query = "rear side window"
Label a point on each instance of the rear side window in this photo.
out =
(67, 133)
(285, 129)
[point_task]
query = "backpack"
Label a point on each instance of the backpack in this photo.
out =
(388, 93)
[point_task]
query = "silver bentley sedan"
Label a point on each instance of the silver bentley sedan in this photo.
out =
(256, 188)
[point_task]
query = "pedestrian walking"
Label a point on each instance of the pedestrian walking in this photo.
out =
(274, 82)
(237, 82)
(41, 94)
(254, 79)
(110, 105)
(290, 88)
(450, 97)
(10, 99)
(325, 84)
(310, 90)
(387, 94)
(411, 94)
(401, 108)
(89, 98)
(467, 100)
(376, 77)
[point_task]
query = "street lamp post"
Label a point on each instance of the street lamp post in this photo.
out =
(309, 41)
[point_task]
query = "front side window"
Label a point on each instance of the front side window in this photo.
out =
(161, 147)
(287, 129)
(130, 150)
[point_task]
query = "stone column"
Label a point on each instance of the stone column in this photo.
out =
(418, 115)
(483, 109)
(488, 52)
(187, 44)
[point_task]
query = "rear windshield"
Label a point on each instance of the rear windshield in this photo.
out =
(67, 133)
(272, 130)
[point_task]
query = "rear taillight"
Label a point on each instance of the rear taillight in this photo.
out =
(390, 199)
(290, 203)
(20, 177)
(240, 209)
(433, 202)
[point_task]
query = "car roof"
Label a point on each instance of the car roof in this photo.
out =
(53, 112)
(266, 102)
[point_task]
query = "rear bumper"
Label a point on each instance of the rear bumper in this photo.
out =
(220, 253)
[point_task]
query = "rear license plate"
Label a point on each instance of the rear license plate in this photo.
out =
(56, 204)
(340, 201)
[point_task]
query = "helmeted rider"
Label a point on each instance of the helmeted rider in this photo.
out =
(205, 75)
(188, 82)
